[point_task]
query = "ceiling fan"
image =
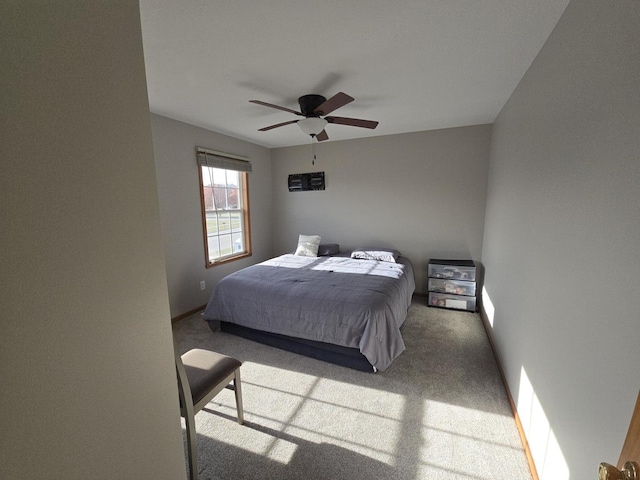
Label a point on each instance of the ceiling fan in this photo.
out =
(314, 109)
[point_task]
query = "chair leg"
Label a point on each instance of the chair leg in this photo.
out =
(192, 447)
(238, 392)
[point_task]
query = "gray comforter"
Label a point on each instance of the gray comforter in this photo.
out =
(354, 303)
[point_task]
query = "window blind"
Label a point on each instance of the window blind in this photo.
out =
(228, 161)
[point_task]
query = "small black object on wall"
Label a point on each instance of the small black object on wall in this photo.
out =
(301, 182)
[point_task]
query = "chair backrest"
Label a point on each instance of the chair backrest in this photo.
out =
(184, 390)
(187, 411)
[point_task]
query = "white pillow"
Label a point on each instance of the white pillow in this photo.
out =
(380, 254)
(308, 245)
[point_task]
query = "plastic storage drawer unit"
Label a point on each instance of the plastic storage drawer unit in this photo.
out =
(452, 284)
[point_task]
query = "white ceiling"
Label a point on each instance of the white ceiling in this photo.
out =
(412, 65)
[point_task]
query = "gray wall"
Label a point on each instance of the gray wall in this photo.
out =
(88, 381)
(421, 193)
(562, 239)
(391, 190)
(174, 145)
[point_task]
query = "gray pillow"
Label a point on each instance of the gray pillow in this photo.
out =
(326, 249)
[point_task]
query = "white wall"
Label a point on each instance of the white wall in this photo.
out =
(174, 145)
(562, 239)
(87, 374)
(421, 193)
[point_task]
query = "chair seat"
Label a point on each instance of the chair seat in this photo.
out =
(205, 369)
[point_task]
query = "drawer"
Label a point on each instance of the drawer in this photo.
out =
(457, 287)
(457, 302)
(453, 272)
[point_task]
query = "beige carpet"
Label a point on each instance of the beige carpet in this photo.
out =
(439, 412)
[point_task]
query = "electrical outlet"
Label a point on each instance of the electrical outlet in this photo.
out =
(202, 285)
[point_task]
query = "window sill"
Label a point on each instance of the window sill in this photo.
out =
(228, 259)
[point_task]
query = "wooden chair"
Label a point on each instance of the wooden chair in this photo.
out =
(202, 374)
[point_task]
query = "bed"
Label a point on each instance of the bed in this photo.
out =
(338, 309)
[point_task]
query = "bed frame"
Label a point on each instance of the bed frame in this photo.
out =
(327, 352)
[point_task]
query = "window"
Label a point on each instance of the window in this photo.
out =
(224, 197)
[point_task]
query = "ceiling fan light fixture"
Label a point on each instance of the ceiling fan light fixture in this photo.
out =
(312, 125)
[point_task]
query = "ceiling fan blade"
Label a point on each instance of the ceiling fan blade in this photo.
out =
(322, 136)
(338, 100)
(354, 122)
(270, 127)
(276, 106)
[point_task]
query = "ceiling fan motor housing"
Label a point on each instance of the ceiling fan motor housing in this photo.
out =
(308, 103)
